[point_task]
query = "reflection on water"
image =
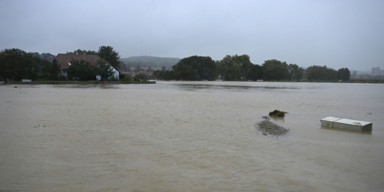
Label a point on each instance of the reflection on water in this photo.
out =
(191, 86)
(235, 88)
(277, 119)
(88, 86)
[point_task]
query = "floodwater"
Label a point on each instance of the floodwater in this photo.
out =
(189, 136)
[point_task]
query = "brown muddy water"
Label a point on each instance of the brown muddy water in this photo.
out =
(188, 136)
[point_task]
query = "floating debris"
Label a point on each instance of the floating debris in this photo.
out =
(266, 118)
(349, 124)
(269, 128)
(277, 113)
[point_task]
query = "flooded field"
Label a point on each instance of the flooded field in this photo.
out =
(189, 136)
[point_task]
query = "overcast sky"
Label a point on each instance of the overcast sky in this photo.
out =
(335, 33)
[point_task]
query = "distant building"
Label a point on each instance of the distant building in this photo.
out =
(377, 72)
(131, 74)
(146, 73)
(64, 61)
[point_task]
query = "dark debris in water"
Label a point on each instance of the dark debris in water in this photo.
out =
(266, 118)
(269, 128)
(277, 113)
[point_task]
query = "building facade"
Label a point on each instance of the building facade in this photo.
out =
(377, 72)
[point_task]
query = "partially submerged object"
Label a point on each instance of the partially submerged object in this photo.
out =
(277, 113)
(269, 128)
(349, 124)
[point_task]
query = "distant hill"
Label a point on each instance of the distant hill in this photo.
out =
(150, 61)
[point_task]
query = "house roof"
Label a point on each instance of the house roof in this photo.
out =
(64, 59)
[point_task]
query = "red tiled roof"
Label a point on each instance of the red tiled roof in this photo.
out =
(64, 59)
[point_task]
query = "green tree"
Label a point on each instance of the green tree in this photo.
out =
(44, 68)
(245, 66)
(255, 73)
(295, 72)
(343, 74)
(54, 70)
(235, 68)
(169, 75)
(229, 69)
(81, 69)
(104, 70)
(47, 56)
(48, 70)
(111, 56)
(316, 72)
(275, 70)
(83, 52)
(193, 68)
(126, 78)
(184, 72)
(156, 74)
(17, 64)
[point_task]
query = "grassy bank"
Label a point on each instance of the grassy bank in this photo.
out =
(83, 82)
(366, 81)
(327, 81)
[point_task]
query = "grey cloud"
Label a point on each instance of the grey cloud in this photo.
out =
(333, 33)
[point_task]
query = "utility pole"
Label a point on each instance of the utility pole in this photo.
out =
(141, 47)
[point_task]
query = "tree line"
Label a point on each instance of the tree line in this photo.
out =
(240, 68)
(16, 64)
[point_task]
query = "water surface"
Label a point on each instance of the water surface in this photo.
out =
(189, 136)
